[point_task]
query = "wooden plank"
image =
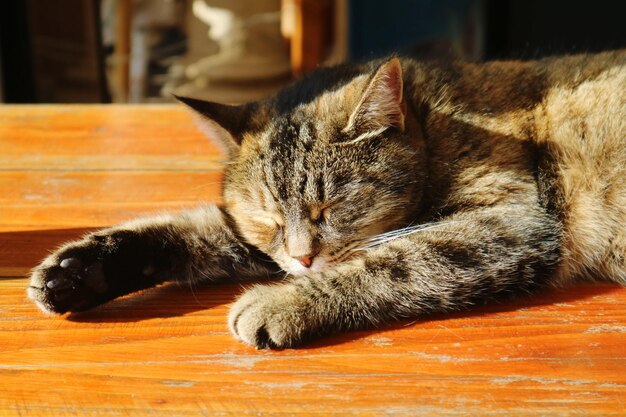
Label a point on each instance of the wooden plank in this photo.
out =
(32, 188)
(167, 351)
(84, 137)
(34, 200)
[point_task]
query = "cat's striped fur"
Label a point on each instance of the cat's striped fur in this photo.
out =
(387, 190)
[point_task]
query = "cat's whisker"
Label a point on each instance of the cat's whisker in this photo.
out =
(395, 234)
(205, 185)
(398, 232)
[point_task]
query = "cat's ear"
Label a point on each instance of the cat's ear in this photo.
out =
(223, 124)
(382, 104)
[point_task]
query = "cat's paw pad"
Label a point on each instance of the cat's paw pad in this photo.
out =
(72, 279)
(270, 317)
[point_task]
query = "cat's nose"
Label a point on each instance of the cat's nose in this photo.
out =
(306, 261)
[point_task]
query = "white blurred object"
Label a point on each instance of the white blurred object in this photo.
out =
(251, 54)
(220, 21)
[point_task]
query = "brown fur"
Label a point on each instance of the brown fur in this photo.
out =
(386, 190)
(572, 122)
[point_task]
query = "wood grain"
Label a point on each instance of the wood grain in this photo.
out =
(167, 352)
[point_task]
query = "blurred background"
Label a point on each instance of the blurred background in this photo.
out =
(138, 51)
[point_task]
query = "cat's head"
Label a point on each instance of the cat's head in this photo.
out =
(322, 167)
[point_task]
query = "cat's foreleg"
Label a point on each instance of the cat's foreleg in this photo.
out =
(199, 245)
(467, 259)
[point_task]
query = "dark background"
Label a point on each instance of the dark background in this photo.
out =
(42, 41)
(520, 29)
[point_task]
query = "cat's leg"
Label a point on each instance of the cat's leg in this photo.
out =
(195, 245)
(472, 258)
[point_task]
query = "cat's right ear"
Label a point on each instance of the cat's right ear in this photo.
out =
(382, 104)
(223, 124)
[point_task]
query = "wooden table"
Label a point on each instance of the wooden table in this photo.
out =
(167, 351)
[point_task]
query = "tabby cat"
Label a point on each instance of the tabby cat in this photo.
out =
(382, 191)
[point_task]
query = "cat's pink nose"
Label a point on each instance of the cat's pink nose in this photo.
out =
(306, 261)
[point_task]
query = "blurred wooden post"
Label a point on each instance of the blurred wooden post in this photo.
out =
(312, 33)
(122, 50)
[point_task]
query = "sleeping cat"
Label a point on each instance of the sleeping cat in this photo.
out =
(383, 191)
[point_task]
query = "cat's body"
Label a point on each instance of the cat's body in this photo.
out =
(387, 190)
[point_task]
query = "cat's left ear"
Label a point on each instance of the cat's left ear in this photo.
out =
(382, 104)
(223, 124)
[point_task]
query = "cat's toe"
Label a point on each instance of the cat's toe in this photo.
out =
(58, 284)
(71, 263)
(268, 318)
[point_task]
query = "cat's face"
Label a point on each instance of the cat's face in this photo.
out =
(310, 186)
(310, 203)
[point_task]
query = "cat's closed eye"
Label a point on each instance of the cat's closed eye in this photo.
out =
(269, 219)
(320, 213)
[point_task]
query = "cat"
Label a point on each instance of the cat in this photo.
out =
(382, 191)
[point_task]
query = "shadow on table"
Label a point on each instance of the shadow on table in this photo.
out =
(168, 300)
(24, 249)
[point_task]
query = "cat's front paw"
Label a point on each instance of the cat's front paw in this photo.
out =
(88, 272)
(272, 317)
(71, 279)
